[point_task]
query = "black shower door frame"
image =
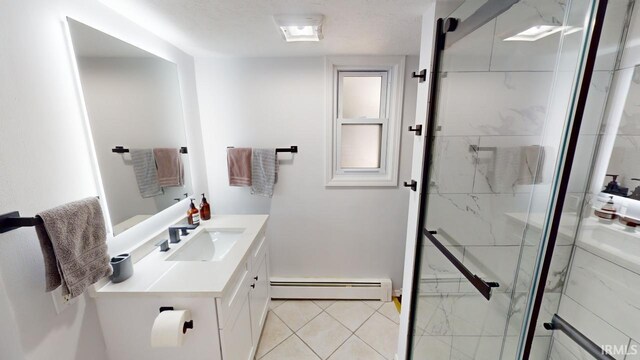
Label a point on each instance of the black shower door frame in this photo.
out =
(447, 32)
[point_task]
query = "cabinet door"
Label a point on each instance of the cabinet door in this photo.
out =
(259, 300)
(236, 338)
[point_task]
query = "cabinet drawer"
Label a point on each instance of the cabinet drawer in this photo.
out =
(257, 253)
(231, 302)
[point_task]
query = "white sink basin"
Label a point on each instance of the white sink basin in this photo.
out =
(208, 245)
(614, 244)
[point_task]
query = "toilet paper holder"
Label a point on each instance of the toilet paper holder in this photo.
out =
(187, 324)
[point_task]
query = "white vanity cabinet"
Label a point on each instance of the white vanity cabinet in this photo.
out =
(242, 310)
(259, 295)
(228, 310)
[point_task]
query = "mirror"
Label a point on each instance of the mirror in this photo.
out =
(621, 182)
(133, 101)
(623, 172)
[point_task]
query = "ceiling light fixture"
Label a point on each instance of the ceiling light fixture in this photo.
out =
(300, 27)
(540, 31)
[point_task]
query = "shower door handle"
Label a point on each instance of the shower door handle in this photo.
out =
(484, 287)
(558, 323)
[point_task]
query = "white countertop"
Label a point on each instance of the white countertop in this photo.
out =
(607, 239)
(567, 224)
(612, 241)
(154, 275)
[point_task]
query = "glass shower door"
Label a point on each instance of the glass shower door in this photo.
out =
(503, 90)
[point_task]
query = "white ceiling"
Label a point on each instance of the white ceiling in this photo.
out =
(243, 28)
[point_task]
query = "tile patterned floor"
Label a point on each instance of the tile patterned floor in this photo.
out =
(327, 329)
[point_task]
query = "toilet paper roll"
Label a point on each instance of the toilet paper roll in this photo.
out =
(168, 328)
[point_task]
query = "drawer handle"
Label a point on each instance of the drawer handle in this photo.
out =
(253, 286)
(255, 278)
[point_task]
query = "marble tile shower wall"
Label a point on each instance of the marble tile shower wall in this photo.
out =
(497, 94)
(601, 299)
(470, 203)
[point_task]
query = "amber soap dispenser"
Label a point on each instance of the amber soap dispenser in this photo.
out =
(193, 215)
(205, 209)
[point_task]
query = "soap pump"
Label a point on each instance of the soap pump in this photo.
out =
(205, 209)
(608, 211)
(614, 188)
(193, 215)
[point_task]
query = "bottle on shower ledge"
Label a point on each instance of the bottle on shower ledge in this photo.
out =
(205, 209)
(193, 215)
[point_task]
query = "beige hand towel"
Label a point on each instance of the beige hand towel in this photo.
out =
(239, 166)
(170, 167)
(73, 242)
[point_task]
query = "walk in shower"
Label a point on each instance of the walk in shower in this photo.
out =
(523, 126)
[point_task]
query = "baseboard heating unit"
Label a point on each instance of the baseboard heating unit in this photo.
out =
(330, 288)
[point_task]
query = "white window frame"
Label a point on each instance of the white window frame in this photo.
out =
(392, 70)
(382, 120)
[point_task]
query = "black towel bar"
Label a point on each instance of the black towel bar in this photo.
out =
(11, 221)
(291, 149)
(122, 150)
(476, 148)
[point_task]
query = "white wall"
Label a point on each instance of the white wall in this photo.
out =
(45, 161)
(314, 231)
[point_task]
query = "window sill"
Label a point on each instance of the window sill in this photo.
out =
(361, 181)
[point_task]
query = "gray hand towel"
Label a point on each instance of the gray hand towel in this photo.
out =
(73, 242)
(504, 174)
(530, 172)
(516, 165)
(264, 171)
(144, 167)
(170, 167)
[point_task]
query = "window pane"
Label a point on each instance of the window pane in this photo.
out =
(361, 97)
(360, 146)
